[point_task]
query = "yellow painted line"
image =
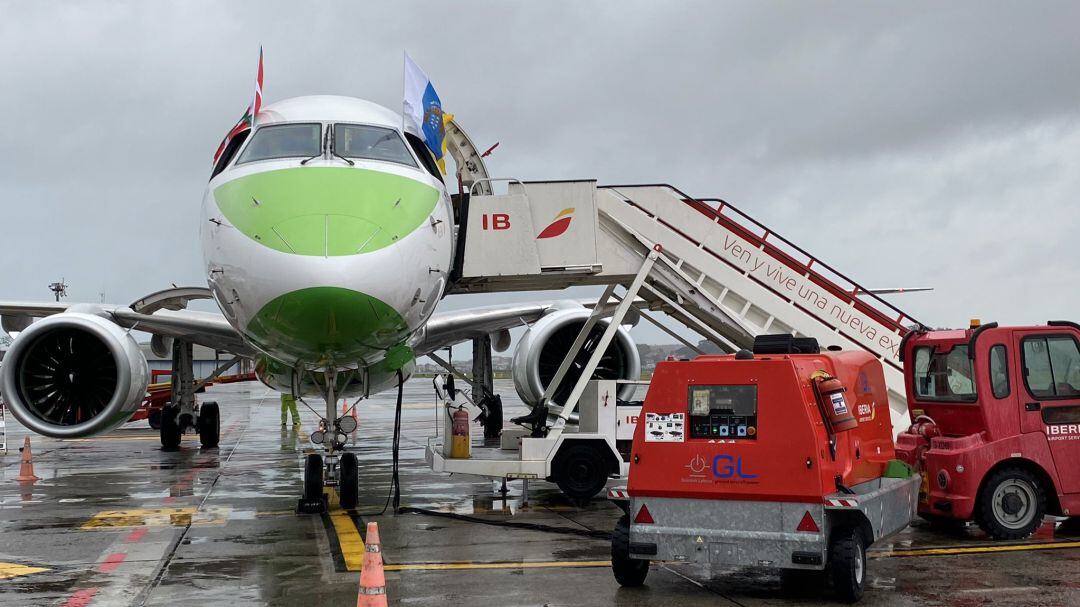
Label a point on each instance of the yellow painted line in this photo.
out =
(466, 565)
(974, 549)
(352, 545)
(10, 570)
(157, 517)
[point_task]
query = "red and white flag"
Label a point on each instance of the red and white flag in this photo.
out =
(246, 121)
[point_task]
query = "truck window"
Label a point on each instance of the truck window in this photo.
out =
(943, 376)
(283, 141)
(722, 411)
(999, 371)
(1052, 366)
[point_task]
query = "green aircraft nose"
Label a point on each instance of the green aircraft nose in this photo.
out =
(326, 211)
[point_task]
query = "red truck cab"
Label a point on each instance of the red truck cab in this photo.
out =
(995, 429)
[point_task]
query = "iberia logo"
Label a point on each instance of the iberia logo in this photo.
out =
(559, 226)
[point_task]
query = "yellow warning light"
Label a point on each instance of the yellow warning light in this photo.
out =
(975, 322)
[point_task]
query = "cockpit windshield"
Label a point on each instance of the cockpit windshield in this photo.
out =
(372, 143)
(283, 141)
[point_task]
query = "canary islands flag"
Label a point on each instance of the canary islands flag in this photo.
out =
(423, 113)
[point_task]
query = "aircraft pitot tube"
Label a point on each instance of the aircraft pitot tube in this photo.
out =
(542, 348)
(74, 374)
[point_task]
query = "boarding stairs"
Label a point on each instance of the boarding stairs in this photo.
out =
(717, 270)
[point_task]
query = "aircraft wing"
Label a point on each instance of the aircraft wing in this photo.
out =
(204, 328)
(455, 326)
(451, 327)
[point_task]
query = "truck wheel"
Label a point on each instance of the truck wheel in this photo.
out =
(209, 425)
(847, 563)
(580, 471)
(628, 571)
(1011, 504)
(349, 481)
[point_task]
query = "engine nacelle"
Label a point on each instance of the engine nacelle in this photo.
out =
(543, 347)
(73, 374)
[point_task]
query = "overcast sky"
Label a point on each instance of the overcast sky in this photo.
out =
(910, 144)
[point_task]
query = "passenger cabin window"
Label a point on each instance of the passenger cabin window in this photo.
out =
(1052, 366)
(723, 411)
(283, 141)
(943, 376)
(371, 143)
(999, 371)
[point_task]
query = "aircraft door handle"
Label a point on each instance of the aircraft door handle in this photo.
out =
(1033, 406)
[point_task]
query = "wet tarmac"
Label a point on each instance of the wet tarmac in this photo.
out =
(115, 520)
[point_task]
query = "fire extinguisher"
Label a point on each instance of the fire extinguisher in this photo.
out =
(459, 434)
(830, 393)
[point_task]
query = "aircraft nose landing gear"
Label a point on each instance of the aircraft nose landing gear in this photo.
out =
(335, 467)
(338, 467)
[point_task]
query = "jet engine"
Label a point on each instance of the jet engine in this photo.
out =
(543, 347)
(73, 374)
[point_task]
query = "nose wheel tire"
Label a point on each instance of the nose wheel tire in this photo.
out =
(1011, 504)
(628, 571)
(209, 425)
(313, 478)
(847, 563)
(580, 471)
(349, 481)
(170, 429)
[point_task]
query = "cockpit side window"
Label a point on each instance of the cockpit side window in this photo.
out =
(283, 141)
(230, 152)
(424, 155)
(371, 143)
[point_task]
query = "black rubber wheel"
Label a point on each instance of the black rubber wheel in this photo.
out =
(628, 571)
(154, 419)
(313, 478)
(1011, 504)
(581, 471)
(847, 563)
(348, 481)
(170, 430)
(209, 425)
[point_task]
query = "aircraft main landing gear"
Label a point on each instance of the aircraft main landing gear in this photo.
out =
(181, 413)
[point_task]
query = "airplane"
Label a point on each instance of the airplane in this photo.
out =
(327, 239)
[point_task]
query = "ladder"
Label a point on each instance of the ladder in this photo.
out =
(719, 271)
(747, 280)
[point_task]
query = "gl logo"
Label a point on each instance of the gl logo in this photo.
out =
(726, 466)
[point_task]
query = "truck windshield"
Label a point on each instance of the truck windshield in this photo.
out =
(283, 141)
(943, 376)
(371, 143)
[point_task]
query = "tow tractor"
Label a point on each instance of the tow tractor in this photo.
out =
(995, 424)
(782, 457)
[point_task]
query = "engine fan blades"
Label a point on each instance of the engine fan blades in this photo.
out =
(68, 377)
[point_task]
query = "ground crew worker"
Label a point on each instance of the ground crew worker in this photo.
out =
(288, 405)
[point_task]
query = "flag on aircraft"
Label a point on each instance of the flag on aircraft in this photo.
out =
(423, 113)
(246, 121)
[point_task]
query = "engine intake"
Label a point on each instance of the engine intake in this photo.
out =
(543, 347)
(72, 375)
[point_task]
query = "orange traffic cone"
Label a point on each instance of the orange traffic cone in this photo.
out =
(26, 470)
(372, 579)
